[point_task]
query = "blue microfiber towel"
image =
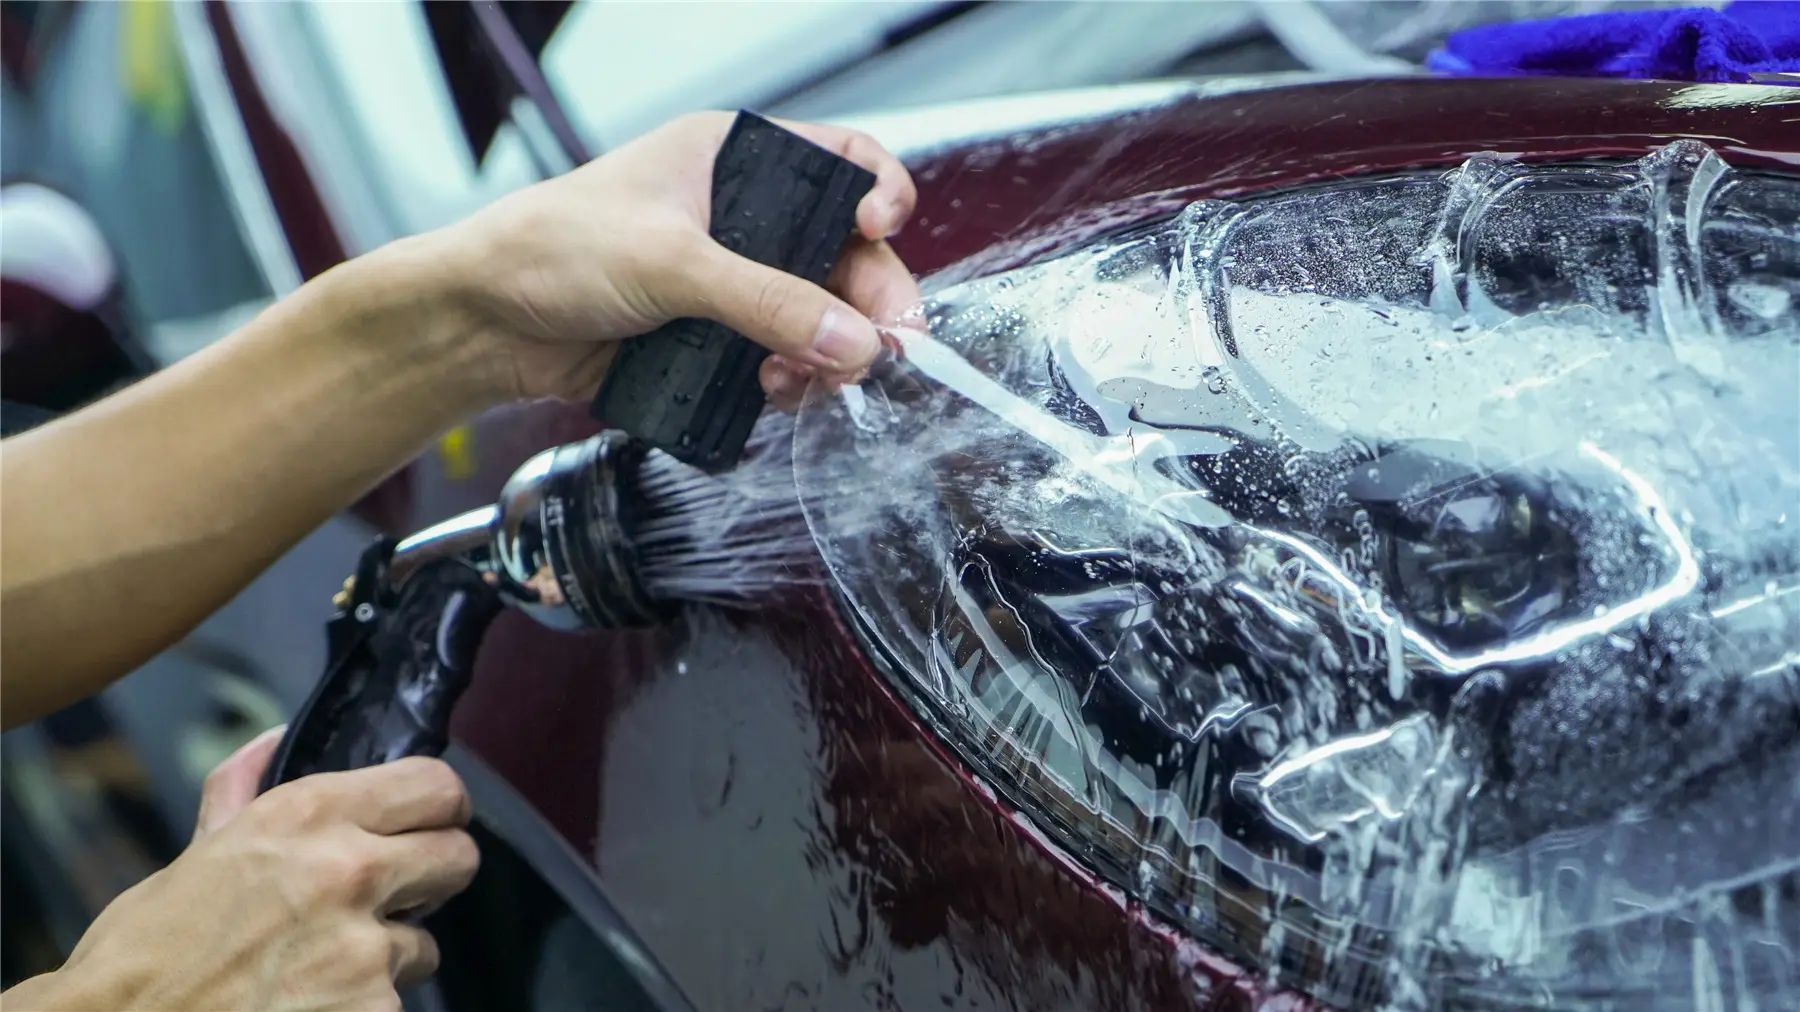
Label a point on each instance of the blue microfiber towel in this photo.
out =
(1684, 44)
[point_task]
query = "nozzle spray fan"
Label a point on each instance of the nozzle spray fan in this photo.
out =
(561, 544)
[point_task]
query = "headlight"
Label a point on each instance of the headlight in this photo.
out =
(1395, 584)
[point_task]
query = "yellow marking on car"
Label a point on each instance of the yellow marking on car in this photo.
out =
(456, 451)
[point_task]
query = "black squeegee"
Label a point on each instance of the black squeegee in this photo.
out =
(689, 388)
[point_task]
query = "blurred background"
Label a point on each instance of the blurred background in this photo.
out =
(170, 168)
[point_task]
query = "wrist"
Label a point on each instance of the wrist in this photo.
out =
(433, 324)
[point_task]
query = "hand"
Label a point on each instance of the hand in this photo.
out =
(619, 246)
(291, 900)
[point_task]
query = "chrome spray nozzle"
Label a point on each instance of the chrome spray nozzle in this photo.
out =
(558, 544)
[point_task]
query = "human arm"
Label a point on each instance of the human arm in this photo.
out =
(128, 522)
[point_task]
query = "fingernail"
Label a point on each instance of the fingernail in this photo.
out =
(844, 342)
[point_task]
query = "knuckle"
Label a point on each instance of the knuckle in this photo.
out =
(309, 808)
(434, 773)
(368, 952)
(447, 789)
(868, 152)
(294, 804)
(404, 767)
(366, 945)
(771, 300)
(363, 880)
(349, 873)
(424, 961)
(858, 143)
(434, 780)
(462, 855)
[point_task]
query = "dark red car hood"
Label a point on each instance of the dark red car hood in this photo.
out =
(773, 821)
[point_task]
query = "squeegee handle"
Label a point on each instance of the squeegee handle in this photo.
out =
(399, 661)
(689, 388)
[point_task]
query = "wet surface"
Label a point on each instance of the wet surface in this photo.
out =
(1316, 566)
(773, 819)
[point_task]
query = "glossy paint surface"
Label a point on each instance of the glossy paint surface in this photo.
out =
(769, 816)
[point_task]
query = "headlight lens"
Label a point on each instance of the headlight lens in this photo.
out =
(1396, 583)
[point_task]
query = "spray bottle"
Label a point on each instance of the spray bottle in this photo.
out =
(566, 542)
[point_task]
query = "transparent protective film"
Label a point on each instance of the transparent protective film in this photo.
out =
(1395, 584)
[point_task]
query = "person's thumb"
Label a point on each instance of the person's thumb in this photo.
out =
(232, 784)
(791, 317)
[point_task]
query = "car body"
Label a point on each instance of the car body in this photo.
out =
(758, 801)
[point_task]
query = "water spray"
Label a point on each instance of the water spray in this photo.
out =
(611, 532)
